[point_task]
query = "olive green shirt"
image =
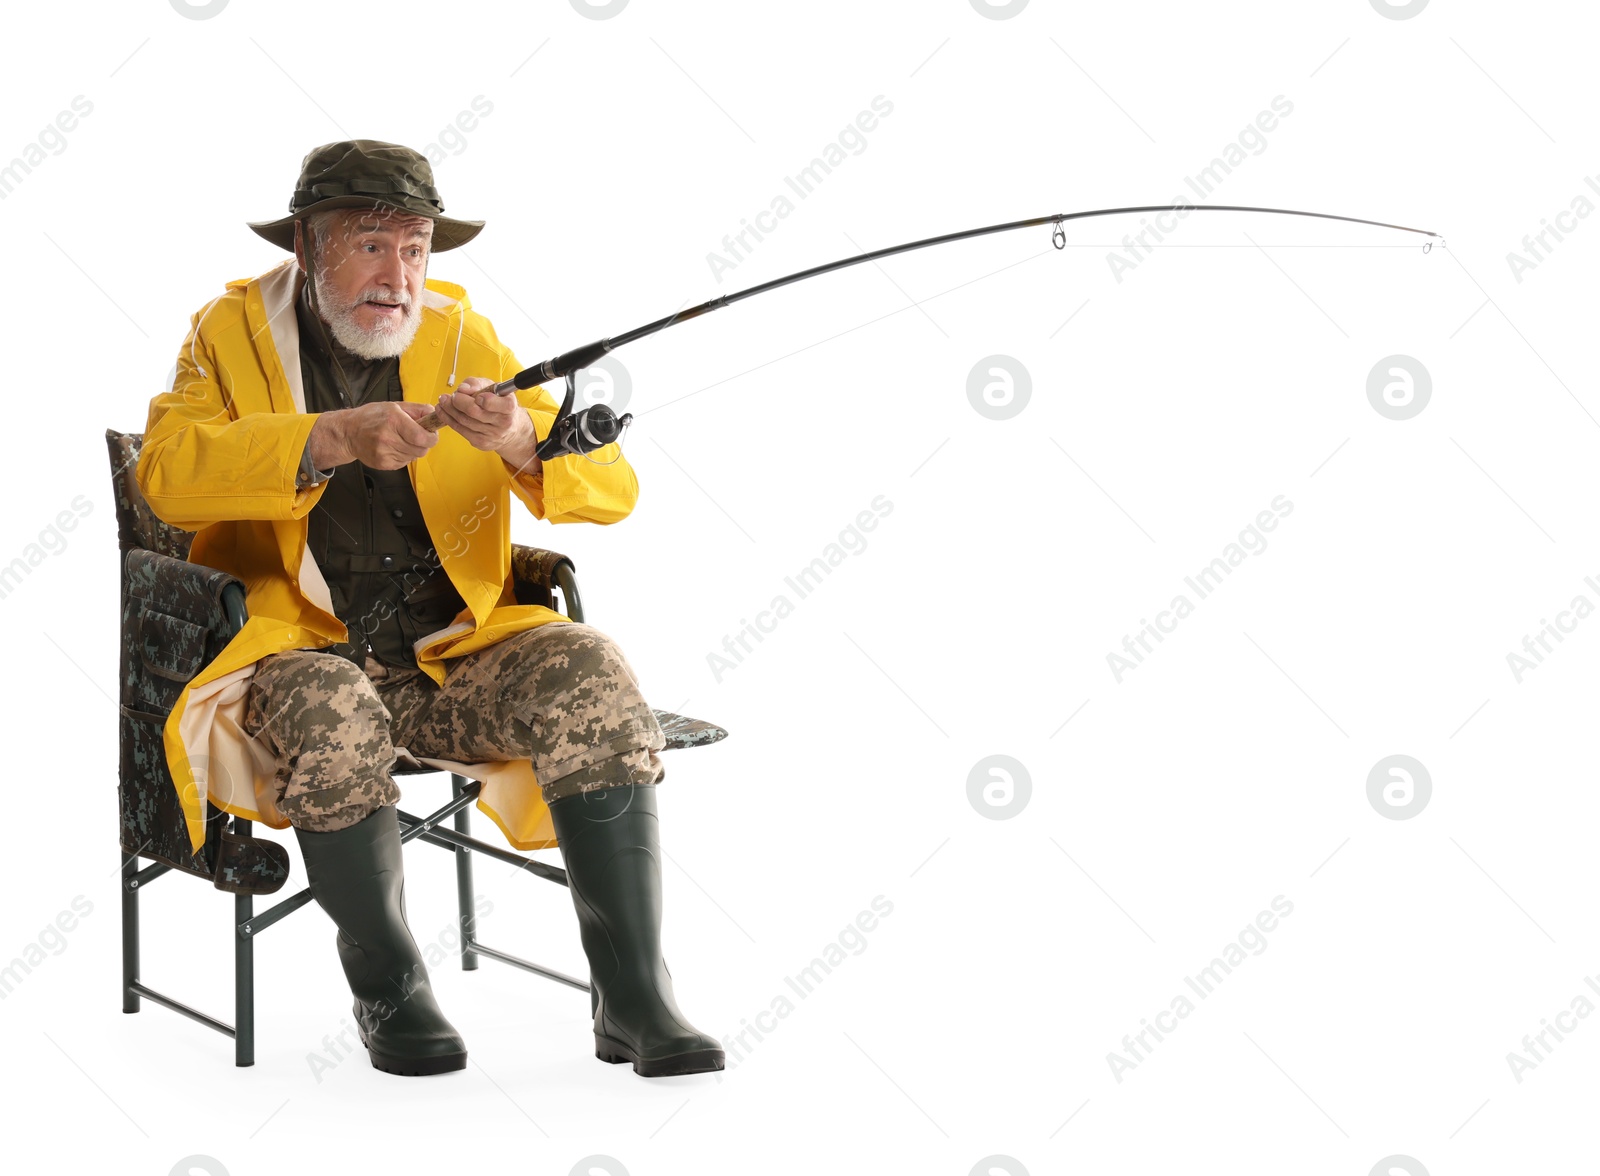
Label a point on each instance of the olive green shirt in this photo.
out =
(367, 532)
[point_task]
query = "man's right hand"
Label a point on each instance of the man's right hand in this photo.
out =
(383, 434)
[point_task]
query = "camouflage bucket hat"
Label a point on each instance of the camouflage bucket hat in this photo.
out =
(365, 173)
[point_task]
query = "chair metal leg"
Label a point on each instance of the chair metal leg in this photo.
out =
(244, 973)
(130, 935)
(247, 924)
(430, 831)
(464, 892)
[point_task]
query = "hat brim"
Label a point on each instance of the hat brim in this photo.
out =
(448, 233)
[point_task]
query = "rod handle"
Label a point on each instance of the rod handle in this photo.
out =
(433, 422)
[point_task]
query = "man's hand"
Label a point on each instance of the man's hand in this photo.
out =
(383, 434)
(498, 424)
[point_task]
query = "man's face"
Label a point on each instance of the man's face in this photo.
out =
(369, 278)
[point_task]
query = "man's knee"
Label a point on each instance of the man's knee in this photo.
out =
(573, 653)
(580, 672)
(302, 696)
(329, 730)
(591, 709)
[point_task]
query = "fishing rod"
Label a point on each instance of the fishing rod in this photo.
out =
(593, 427)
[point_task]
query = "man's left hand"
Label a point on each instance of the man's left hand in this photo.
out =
(495, 423)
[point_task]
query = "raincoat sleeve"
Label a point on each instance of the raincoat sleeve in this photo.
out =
(201, 462)
(571, 488)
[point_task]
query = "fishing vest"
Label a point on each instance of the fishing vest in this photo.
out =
(367, 532)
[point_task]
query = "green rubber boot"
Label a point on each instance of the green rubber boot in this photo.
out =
(356, 875)
(609, 842)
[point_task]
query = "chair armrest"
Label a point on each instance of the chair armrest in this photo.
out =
(535, 572)
(233, 606)
(211, 600)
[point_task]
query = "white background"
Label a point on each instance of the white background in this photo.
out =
(1229, 768)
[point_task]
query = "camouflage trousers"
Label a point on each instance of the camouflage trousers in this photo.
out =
(561, 695)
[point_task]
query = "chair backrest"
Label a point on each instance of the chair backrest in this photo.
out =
(151, 819)
(137, 525)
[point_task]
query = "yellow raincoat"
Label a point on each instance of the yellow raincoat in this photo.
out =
(220, 454)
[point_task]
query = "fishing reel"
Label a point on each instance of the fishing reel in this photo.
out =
(583, 431)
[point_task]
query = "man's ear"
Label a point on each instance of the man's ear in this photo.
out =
(299, 246)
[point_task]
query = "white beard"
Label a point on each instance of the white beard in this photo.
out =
(386, 339)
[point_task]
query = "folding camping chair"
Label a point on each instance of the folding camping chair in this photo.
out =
(176, 617)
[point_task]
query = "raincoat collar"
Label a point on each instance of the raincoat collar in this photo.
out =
(269, 309)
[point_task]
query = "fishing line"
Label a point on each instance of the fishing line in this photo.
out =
(596, 426)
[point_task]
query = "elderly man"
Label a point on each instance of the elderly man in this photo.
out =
(318, 441)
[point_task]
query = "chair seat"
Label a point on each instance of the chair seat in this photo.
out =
(680, 730)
